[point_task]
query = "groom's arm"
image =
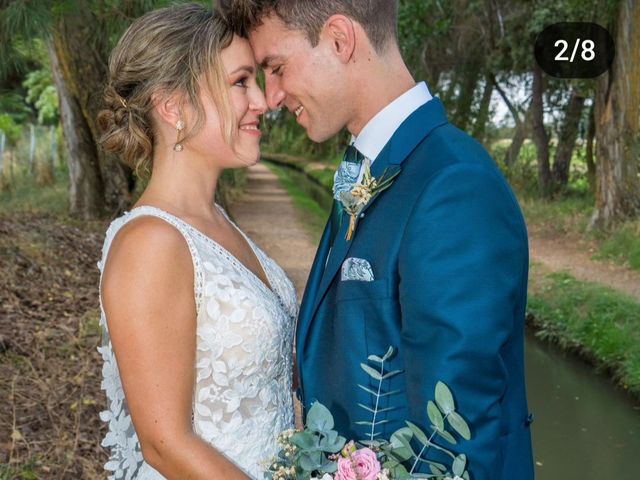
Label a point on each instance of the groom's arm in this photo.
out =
(462, 265)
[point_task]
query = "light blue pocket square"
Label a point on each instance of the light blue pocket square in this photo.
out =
(356, 269)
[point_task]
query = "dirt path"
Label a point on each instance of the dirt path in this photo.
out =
(559, 253)
(267, 214)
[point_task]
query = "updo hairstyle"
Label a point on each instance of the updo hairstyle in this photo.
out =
(173, 49)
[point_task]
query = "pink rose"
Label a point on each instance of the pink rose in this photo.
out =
(361, 465)
(345, 469)
(366, 464)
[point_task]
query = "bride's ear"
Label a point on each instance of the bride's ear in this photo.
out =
(168, 108)
(340, 31)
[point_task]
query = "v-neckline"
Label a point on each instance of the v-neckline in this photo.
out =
(268, 286)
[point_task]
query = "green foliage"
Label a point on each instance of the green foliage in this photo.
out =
(42, 93)
(598, 321)
(622, 244)
(9, 127)
(312, 451)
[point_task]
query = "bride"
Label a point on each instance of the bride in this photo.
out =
(197, 321)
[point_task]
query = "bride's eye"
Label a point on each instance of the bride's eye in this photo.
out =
(277, 70)
(241, 82)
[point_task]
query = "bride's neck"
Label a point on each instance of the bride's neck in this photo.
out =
(183, 185)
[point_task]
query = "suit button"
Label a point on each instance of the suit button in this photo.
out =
(362, 215)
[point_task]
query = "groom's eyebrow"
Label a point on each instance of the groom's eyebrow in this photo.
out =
(268, 60)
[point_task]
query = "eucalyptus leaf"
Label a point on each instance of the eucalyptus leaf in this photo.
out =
(304, 440)
(319, 418)
(371, 372)
(368, 409)
(444, 398)
(386, 394)
(368, 390)
(389, 353)
(459, 425)
(419, 434)
(403, 436)
(391, 374)
(465, 476)
(362, 422)
(375, 358)
(397, 436)
(446, 435)
(435, 416)
(435, 470)
(329, 466)
(459, 464)
(310, 461)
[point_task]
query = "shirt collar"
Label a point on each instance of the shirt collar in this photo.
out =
(379, 130)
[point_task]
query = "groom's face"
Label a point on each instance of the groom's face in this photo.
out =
(308, 81)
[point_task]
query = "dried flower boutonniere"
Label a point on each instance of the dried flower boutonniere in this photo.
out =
(361, 194)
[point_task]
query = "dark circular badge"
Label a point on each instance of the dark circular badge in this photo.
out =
(574, 50)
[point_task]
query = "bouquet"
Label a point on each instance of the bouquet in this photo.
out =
(318, 452)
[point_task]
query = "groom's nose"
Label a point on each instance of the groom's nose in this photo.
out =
(274, 93)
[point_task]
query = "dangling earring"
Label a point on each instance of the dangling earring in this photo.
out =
(177, 147)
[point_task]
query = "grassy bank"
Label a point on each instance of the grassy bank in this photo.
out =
(596, 322)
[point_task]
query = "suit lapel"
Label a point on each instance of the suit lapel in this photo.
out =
(412, 131)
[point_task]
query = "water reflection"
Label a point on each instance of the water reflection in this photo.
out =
(584, 427)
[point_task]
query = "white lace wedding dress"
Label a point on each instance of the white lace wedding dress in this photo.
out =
(242, 397)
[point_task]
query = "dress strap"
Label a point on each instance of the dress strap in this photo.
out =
(118, 223)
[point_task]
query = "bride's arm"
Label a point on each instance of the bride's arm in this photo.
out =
(148, 298)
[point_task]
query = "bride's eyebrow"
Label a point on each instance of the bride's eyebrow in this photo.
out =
(247, 68)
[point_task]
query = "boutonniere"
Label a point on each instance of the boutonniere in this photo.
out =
(361, 194)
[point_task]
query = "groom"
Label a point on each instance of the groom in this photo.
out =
(435, 265)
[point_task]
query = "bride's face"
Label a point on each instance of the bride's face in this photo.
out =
(247, 103)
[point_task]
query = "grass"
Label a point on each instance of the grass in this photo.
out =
(26, 471)
(623, 245)
(314, 215)
(591, 319)
(22, 192)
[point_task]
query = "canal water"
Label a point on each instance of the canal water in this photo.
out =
(584, 428)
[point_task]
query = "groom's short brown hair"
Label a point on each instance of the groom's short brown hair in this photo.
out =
(377, 17)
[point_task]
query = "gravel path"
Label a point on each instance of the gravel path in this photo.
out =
(266, 213)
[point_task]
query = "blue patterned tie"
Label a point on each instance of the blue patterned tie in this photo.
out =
(346, 177)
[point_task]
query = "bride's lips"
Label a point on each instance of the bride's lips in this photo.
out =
(251, 128)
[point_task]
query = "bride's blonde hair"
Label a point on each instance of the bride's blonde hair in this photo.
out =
(174, 49)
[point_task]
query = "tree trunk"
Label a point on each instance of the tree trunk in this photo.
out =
(540, 137)
(86, 192)
(522, 129)
(617, 114)
(82, 69)
(462, 115)
(591, 164)
(567, 141)
(480, 125)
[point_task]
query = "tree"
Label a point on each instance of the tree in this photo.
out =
(617, 114)
(78, 35)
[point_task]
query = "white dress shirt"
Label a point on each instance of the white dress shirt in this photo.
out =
(379, 130)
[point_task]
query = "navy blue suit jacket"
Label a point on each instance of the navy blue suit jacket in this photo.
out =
(447, 244)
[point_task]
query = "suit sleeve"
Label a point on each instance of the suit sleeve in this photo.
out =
(463, 268)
